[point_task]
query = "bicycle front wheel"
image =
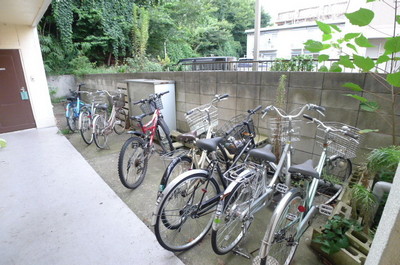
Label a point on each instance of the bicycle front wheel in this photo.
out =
(335, 173)
(281, 243)
(233, 222)
(120, 121)
(85, 120)
(71, 119)
(99, 131)
(181, 222)
(132, 162)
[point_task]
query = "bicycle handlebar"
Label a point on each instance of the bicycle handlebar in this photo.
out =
(216, 98)
(344, 130)
(317, 108)
(151, 97)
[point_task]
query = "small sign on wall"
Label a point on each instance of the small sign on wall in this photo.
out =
(24, 94)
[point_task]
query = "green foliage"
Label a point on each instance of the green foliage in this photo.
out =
(81, 66)
(384, 161)
(351, 59)
(140, 31)
(363, 203)
(333, 236)
(296, 63)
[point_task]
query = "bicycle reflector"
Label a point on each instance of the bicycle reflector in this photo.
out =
(301, 208)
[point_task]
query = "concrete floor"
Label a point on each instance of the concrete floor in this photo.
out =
(141, 202)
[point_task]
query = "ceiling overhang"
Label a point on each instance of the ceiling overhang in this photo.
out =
(22, 12)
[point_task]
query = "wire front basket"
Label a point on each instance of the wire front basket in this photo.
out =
(150, 105)
(118, 100)
(198, 118)
(279, 129)
(338, 143)
(236, 133)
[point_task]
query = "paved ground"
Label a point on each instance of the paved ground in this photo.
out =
(141, 202)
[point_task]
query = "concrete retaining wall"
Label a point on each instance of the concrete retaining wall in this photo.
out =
(250, 89)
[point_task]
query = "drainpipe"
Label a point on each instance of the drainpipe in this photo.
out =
(380, 188)
(257, 23)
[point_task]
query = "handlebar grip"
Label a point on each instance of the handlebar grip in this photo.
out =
(308, 117)
(252, 111)
(190, 112)
(352, 135)
(163, 93)
(224, 96)
(137, 102)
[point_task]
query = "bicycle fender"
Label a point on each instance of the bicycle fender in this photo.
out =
(170, 186)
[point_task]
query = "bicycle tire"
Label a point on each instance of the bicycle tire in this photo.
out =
(163, 137)
(99, 135)
(175, 168)
(86, 128)
(120, 121)
(279, 241)
(133, 153)
(335, 173)
(182, 228)
(71, 119)
(231, 227)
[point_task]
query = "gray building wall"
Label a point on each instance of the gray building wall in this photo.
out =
(250, 89)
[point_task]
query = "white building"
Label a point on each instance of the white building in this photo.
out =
(294, 24)
(24, 95)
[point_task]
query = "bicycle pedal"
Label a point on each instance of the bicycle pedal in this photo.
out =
(325, 209)
(282, 188)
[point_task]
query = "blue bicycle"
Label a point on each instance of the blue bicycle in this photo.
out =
(73, 109)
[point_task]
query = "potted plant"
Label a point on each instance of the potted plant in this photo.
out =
(383, 162)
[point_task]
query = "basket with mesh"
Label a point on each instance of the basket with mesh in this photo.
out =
(279, 129)
(338, 143)
(149, 106)
(235, 133)
(198, 118)
(118, 100)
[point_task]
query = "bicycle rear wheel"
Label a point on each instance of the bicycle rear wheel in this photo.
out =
(279, 243)
(120, 121)
(180, 224)
(232, 223)
(132, 162)
(71, 119)
(99, 131)
(335, 173)
(85, 120)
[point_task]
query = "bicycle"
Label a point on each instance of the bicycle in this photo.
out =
(87, 115)
(295, 212)
(201, 120)
(102, 126)
(73, 108)
(196, 192)
(251, 188)
(136, 151)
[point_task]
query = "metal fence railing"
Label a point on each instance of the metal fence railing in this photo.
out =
(304, 65)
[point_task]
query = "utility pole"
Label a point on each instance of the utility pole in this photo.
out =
(257, 23)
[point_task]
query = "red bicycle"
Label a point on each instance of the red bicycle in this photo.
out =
(137, 150)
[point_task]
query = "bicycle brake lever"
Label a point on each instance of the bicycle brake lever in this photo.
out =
(320, 112)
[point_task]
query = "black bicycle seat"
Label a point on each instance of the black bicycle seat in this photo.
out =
(263, 153)
(306, 169)
(209, 144)
(138, 117)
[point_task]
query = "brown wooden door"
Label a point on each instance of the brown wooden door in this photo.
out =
(15, 107)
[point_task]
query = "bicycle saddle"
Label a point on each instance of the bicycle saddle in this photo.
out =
(138, 117)
(263, 153)
(305, 169)
(187, 137)
(209, 144)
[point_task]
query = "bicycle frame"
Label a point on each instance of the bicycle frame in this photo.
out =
(149, 129)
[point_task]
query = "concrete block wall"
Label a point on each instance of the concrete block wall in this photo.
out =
(250, 89)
